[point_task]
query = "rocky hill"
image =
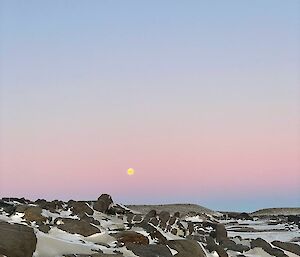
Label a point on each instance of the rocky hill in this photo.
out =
(184, 209)
(277, 211)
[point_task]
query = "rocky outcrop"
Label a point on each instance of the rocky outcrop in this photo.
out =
(103, 203)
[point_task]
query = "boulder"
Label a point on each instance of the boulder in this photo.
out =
(76, 226)
(132, 237)
(7, 207)
(150, 250)
(267, 247)
(212, 246)
(186, 248)
(293, 248)
(103, 203)
(16, 240)
(221, 233)
(231, 245)
(34, 213)
(80, 208)
(50, 206)
(153, 232)
(164, 216)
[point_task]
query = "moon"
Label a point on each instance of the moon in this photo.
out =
(130, 171)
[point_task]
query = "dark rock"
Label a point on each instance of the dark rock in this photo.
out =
(50, 206)
(77, 227)
(172, 220)
(138, 218)
(117, 209)
(198, 238)
(221, 233)
(149, 250)
(94, 255)
(153, 232)
(7, 207)
(293, 248)
(80, 207)
(164, 216)
(132, 237)
(103, 203)
(186, 248)
(212, 246)
(17, 240)
(44, 228)
(267, 247)
(191, 227)
(14, 199)
(154, 221)
(231, 245)
(177, 214)
(151, 214)
(294, 219)
(129, 217)
(88, 219)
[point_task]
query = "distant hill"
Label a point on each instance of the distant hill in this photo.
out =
(276, 211)
(172, 208)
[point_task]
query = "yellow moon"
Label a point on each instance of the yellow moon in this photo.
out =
(130, 171)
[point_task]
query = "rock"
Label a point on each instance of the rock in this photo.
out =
(34, 213)
(154, 221)
(231, 245)
(212, 246)
(117, 209)
(77, 226)
(80, 208)
(103, 203)
(267, 247)
(191, 228)
(153, 232)
(89, 219)
(150, 250)
(16, 240)
(94, 255)
(151, 214)
(293, 248)
(186, 248)
(44, 228)
(7, 207)
(50, 206)
(14, 199)
(138, 218)
(132, 237)
(294, 219)
(221, 233)
(164, 216)
(172, 220)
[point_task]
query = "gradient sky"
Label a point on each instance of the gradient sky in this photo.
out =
(201, 98)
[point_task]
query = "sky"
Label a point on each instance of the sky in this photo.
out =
(200, 98)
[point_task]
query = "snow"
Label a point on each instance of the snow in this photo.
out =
(194, 219)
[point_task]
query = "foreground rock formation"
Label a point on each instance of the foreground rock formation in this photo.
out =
(102, 228)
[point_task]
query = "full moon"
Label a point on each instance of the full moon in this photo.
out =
(130, 171)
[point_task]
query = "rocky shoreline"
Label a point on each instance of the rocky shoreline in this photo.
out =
(103, 228)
